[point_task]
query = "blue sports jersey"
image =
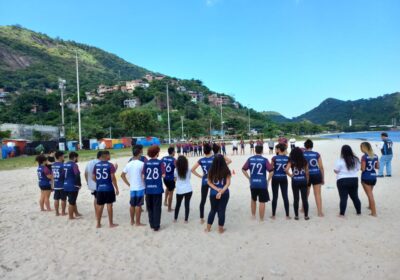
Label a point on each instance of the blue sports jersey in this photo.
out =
(205, 164)
(259, 166)
(280, 163)
(299, 175)
(71, 171)
(312, 160)
(58, 175)
(153, 170)
(42, 173)
(103, 170)
(169, 164)
(387, 147)
(220, 185)
(370, 162)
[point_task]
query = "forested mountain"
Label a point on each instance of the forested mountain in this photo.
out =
(363, 112)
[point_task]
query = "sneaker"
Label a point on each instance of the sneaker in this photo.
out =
(388, 176)
(379, 176)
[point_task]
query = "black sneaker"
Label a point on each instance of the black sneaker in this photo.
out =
(388, 175)
(379, 176)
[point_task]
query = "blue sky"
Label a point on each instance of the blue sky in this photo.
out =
(280, 55)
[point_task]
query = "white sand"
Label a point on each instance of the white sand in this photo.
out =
(35, 245)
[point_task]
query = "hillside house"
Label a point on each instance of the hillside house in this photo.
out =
(131, 103)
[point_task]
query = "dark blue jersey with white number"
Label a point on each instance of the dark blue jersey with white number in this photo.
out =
(71, 173)
(205, 164)
(169, 164)
(220, 185)
(387, 147)
(299, 174)
(370, 162)
(103, 170)
(153, 170)
(42, 173)
(312, 160)
(258, 166)
(58, 175)
(280, 162)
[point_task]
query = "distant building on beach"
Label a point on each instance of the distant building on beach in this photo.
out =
(23, 131)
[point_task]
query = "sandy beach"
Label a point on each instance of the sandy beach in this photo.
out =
(36, 245)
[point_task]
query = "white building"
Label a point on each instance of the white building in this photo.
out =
(131, 103)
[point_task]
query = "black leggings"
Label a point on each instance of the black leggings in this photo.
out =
(179, 198)
(218, 206)
(300, 188)
(348, 187)
(204, 193)
(153, 203)
(283, 183)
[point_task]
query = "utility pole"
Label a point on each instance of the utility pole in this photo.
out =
(61, 86)
(182, 125)
(169, 123)
(110, 132)
(222, 122)
(79, 101)
(249, 119)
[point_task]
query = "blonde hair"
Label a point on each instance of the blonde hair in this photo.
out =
(367, 148)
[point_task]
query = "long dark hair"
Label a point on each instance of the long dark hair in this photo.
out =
(182, 166)
(297, 158)
(349, 157)
(219, 169)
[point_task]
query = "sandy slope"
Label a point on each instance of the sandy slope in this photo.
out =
(38, 245)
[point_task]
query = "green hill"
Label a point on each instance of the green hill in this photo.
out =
(363, 112)
(31, 62)
(276, 117)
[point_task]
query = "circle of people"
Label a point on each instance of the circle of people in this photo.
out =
(145, 177)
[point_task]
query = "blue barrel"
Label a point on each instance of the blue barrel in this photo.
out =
(94, 146)
(118, 146)
(4, 152)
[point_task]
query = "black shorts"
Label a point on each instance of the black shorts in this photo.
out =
(72, 196)
(94, 193)
(46, 188)
(235, 148)
(137, 201)
(262, 194)
(369, 182)
(169, 184)
(105, 197)
(271, 148)
(60, 194)
(252, 146)
(315, 179)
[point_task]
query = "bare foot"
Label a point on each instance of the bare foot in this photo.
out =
(113, 225)
(49, 209)
(253, 217)
(140, 224)
(273, 217)
(186, 222)
(202, 221)
(175, 220)
(341, 216)
(288, 218)
(57, 214)
(165, 203)
(78, 215)
(132, 223)
(321, 215)
(373, 215)
(207, 230)
(221, 230)
(98, 226)
(170, 210)
(63, 214)
(42, 209)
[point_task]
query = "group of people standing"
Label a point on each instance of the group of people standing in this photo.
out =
(147, 176)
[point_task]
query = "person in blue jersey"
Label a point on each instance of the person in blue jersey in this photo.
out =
(297, 169)
(346, 169)
(106, 188)
(89, 178)
(279, 179)
(369, 162)
(183, 187)
(219, 180)
(169, 182)
(259, 166)
(153, 172)
(72, 184)
(200, 148)
(251, 146)
(317, 174)
(57, 171)
(386, 147)
(195, 149)
(223, 147)
(44, 178)
(142, 157)
(134, 171)
(205, 164)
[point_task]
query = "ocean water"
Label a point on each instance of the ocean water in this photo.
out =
(367, 136)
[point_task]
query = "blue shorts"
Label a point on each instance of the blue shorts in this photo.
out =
(137, 198)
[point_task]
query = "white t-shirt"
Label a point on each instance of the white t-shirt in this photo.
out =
(292, 140)
(89, 171)
(134, 170)
(343, 172)
(183, 185)
(234, 143)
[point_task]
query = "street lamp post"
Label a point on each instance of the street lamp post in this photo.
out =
(61, 86)
(222, 122)
(79, 101)
(169, 123)
(182, 125)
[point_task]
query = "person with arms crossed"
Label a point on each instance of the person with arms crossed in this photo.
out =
(259, 166)
(386, 147)
(44, 178)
